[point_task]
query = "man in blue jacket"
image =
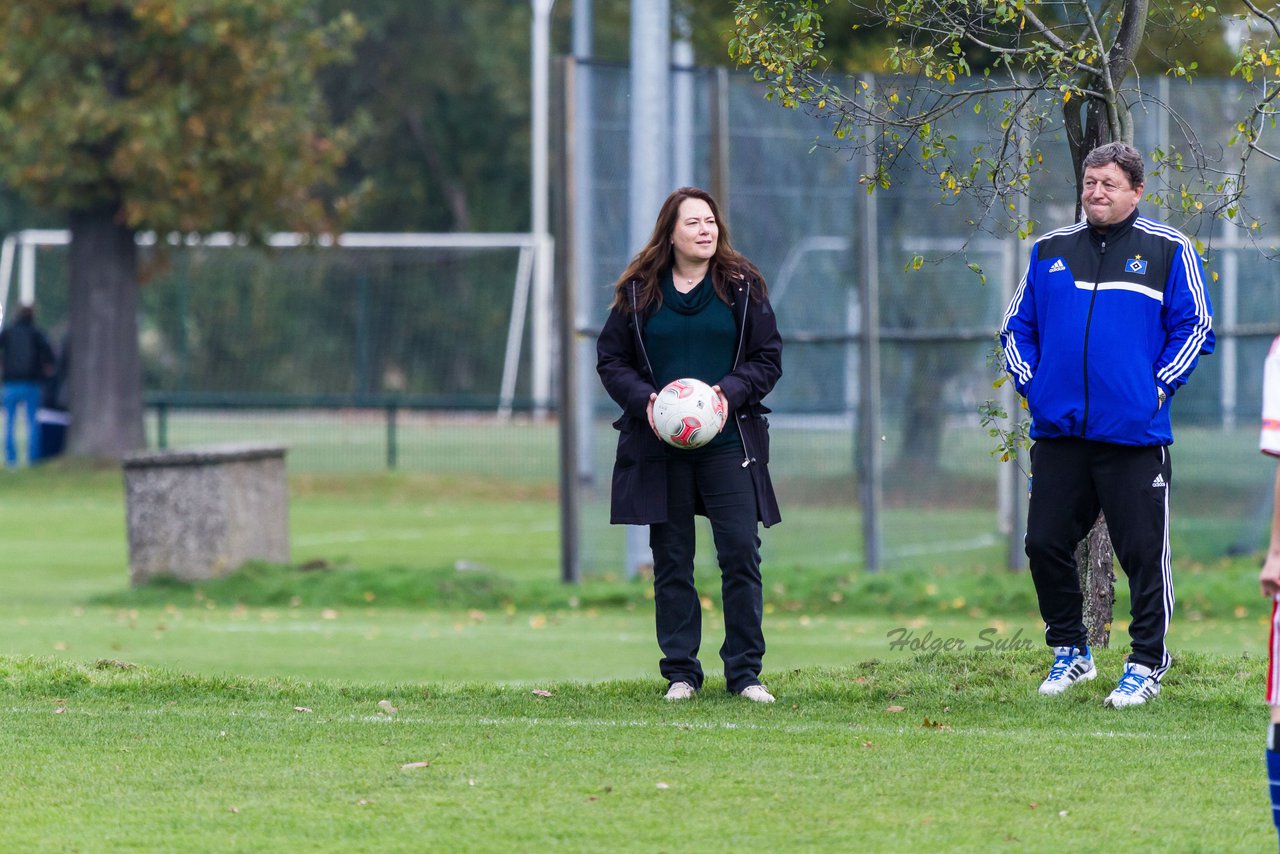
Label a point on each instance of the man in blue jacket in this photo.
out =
(1105, 326)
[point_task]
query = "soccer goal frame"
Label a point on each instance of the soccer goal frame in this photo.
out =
(531, 291)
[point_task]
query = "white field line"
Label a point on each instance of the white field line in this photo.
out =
(420, 533)
(982, 541)
(946, 547)
(975, 543)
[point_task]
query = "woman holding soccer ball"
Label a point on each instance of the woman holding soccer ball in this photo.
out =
(689, 306)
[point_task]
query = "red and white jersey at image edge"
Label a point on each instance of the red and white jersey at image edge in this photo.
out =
(1270, 442)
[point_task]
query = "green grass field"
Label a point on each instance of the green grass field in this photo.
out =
(947, 518)
(244, 714)
(937, 753)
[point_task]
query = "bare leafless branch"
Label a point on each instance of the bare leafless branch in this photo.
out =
(1258, 13)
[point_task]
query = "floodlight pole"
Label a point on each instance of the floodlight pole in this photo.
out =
(540, 219)
(683, 139)
(577, 302)
(582, 235)
(648, 178)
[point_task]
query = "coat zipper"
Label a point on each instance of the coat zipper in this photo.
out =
(737, 357)
(635, 319)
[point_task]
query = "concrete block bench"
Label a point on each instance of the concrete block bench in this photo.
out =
(202, 512)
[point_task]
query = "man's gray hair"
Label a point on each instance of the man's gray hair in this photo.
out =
(1128, 158)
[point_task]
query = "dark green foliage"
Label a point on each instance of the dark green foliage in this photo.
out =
(184, 116)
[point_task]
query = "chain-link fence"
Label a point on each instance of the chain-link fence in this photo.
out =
(363, 359)
(795, 207)
(406, 356)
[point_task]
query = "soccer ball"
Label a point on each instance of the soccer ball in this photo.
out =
(688, 413)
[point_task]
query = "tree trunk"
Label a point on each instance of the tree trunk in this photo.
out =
(922, 429)
(1097, 573)
(106, 369)
(1106, 119)
(924, 417)
(455, 191)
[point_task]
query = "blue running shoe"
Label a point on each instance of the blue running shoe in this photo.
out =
(1137, 685)
(1070, 665)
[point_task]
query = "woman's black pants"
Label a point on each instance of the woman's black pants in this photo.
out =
(715, 478)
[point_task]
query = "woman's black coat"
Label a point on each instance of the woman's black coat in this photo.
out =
(640, 470)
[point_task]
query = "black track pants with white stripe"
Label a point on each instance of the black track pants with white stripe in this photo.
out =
(1071, 481)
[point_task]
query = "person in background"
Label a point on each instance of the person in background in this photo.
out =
(55, 405)
(1108, 322)
(688, 305)
(26, 360)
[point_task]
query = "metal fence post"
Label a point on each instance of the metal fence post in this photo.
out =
(162, 426)
(392, 450)
(870, 488)
(571, 400)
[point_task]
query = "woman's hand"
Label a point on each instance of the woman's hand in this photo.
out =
(648, 411)
(724, 402)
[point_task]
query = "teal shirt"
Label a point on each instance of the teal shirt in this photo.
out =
(693, 335)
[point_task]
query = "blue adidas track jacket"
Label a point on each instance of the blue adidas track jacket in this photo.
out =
(1099, 323)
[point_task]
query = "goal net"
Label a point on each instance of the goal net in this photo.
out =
(428, 324)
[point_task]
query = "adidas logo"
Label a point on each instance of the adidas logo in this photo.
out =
(1159, 483)
(1057, 266)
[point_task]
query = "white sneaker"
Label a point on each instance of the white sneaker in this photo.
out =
(1137, 685)
(1070, 665)
(756, 694)
(680, 691)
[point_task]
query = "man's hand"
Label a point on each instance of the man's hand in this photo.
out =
(1269, 578)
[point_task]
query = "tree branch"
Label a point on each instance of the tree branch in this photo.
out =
(1258, 13)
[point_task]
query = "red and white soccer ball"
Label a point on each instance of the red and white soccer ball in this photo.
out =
(688, 413)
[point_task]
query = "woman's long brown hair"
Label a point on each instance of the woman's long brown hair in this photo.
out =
(657, 256)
